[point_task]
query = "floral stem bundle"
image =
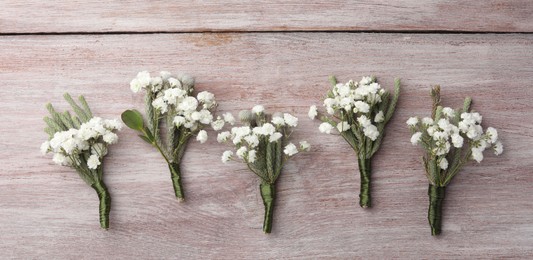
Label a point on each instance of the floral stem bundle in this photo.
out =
(80, 141)
(359, 111)
(170, 104)
(263, 144)
(450, 138)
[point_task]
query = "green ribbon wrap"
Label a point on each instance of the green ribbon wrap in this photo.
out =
(175, 175)
(436, 198)
(268, 195)
(365, 171)
(105, 202)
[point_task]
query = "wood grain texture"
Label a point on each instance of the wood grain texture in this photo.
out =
(47, 212)
(252, 15)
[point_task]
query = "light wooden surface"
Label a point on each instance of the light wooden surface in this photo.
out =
(47, 212)
(252, 15)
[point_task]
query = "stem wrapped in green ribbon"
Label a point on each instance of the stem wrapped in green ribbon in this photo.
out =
(436, 199)
(105, 203)
(268, 194)
(364, 171)
(175, 174)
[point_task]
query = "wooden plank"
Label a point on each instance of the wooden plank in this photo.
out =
(238, 15)
(48, 212)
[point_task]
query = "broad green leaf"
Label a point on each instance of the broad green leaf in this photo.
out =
(133, 119)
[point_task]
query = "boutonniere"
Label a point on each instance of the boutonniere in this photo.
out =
(359, 111)
(80, 141)
(262, 143)
(450, 139)
(170, 103)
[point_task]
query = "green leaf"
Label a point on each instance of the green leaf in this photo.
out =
(146, 139)
(332, 80)
(133, 119)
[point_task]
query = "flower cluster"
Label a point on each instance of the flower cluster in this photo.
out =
(93, 136)
(249, 138)
(172, 95)
(454, 130)
(356, 104)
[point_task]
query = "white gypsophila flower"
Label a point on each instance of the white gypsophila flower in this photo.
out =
(277, 120)
(93, 162)
(445, 125)
(252, 155)
(241, 152)
(157, 83)
(448, 112)
(325, 128)
(268, 129)
(112, 124)
(60, 159)
(443, 164)
(275, 137)
(343, 126)
(258, 109)
(438, 135)
(110, 138)
(223, 136)
(416, 138)
(477, 154)
(498, 148)
(44, 147)
(492, 134)
(427, 121)
(174, 83)
(171, 95)
(371, 131)
(361, 107)
(160, 104)
(364, 121)
(457, 141)
(207, 98)
(226, 156)
(290, 149)
(165, 75)
(202, 136)
(179, 121)
(312, 112)
(379, 117)
(252, 140)
(142, 80)
(206, 117)
(228, 117)
(412, 121)
(431, 130)
(365, 80)
(305, 146)
(135, 85)
(342, 89)
(217, 124)
(188, 104)
(290, 120)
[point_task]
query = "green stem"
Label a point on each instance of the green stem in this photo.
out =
(436, 198)
(268, 195)
(175, 175)
(105, 202)
(365, 171)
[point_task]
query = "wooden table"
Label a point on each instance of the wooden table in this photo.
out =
(279, 54)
